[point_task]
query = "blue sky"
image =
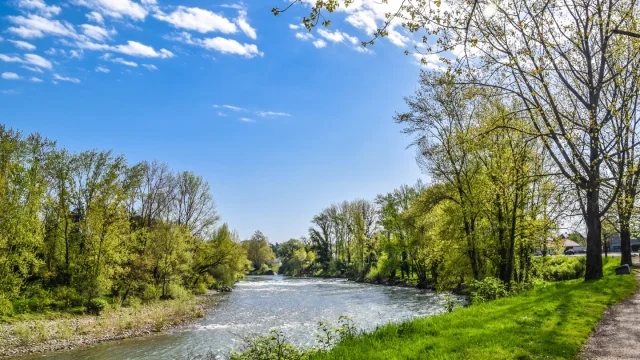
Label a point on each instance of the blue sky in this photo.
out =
(280, 122)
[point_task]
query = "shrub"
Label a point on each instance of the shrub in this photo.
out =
(150, 293)
(487, 289)
(274, 346)
(178, 292)
(200, 288)
(263, 269)
(96, 306)
(6, 307)
(67, 297)
(557, 268)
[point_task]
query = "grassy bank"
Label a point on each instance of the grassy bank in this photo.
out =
(551, 321)
(61, 331)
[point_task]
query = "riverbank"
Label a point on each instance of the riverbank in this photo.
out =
(65, 332)
(551, 321)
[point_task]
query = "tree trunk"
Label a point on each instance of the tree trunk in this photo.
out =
(625, 243)
(594, 236)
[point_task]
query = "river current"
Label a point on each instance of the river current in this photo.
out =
(291, 305)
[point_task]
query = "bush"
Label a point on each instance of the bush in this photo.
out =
(487, 289)
(67, 297)
(177, 292)
(200, 288)
(150, 293)
(263, 269)
(6, 307)
(374, 275)
(558, 268)
(96, 306)
(274, 346)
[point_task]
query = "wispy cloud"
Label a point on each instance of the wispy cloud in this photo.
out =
(11, 76)
(31, 59)
(23, 45)
(271, 114)
(230, 107)
(320, 43)
(244, 119)
(64, 78)
(102, 69)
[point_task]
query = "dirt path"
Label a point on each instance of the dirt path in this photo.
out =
(617, 335)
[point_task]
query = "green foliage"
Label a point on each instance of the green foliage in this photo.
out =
(6, 307)
(258, 251)
(96, 306)
(273, 346)
(557, 268)
(551, 321)
(276, 346)
(79, 227)
(487, 289)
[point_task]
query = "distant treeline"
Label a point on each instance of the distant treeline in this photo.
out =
(81, 229)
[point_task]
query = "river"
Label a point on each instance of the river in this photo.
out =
(260, 303)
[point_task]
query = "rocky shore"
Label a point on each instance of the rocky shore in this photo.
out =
(66, 333)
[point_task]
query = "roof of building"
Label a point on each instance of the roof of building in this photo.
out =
(572, 243)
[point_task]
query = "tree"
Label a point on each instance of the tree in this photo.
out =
(563, 64)
(258, 250)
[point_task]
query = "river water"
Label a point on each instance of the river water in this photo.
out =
(260, 303)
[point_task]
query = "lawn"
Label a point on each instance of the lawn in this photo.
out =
(552, 321)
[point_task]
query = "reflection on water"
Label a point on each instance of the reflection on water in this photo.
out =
(260, 303)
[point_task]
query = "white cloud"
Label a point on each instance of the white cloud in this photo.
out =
(51, 51)
(97, 32)
(95, 17)
(230, 107)
(197, 19)
(244, 119)
(32, 59)
(132, 48)
(304, 35)
(220, 113)
(7, 58)
(31, 68)
(34, 26)
(69, 79)
(223, 45)
(102, 69)
(337, 36)
(76, 54)
(124, 62)
(9, 92)
(320, 43)
(11, 76)
(135, 48)
(369, 15)
(294, 27)
(150, 67)
(271, 113)
(233, 6)
(37, 60)
(116, 8)
(40, 7)
(23, 45)
(35, 79)
(430, 61)
(243, 23)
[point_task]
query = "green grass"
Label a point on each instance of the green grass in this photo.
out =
(552, 321)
